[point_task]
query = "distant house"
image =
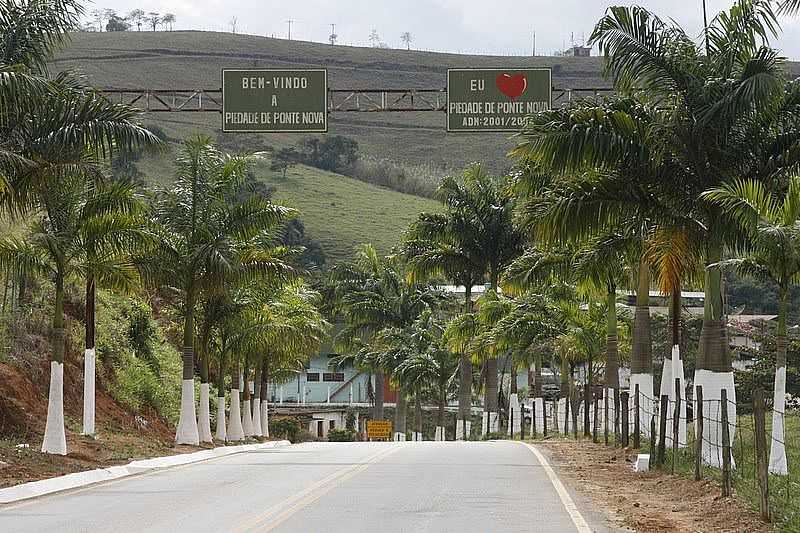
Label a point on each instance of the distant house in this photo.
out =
(578, 51)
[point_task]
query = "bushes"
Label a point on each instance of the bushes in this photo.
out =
(341, 435)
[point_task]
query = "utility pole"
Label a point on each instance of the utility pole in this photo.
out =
(289, 22)
(534, 43)
(705, 25)
(333, 35)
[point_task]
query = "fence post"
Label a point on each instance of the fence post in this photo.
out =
(555, 415)
(653, 437)
(662, 429)
(576, 402)
(637, 417)
(676, 420)
(605, 415)
(616, 417)
(544, 417)
(587, 402)
(726, 444)
(511, 422)
(760, 425)
(567, 406)
(624, 400)
(522, 421)
(698, 439)
(533, 419)
(594, 425)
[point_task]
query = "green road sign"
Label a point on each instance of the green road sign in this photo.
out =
(496, 99)
(275, 100)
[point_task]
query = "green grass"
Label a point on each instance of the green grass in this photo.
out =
(342, 212)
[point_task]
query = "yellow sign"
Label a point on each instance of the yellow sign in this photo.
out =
(379, 429)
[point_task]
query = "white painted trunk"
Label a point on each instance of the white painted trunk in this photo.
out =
(647, 401)
(235, 431)
(490, 423)
(247, 419)
(514, 422)
(560, 414)
(416, 436)
(265, 418)
(204, 415)
(440, 435)
(399, 437)
(257, 418)
(89, 363)
(713, 383)
(676, 372)
(55, 439)
(777, 452)
(540, 414)
(280, 394)
(460, 429)
(222, 435)
(187, 424)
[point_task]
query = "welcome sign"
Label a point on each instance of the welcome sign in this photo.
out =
(495, 100)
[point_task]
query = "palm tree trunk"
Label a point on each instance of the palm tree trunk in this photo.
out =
(222, 433)
(55, 439)
(257, 431)
(204, 408)
(714, 371)
(465, 379)
(247, 413)
(400, 415)
(187, 432)
(641, 351)
(490, 403)
(377, 412)
(89, 359)
(777, 454)
(440, 434)
(418, 416)
(235, 430)
(265, 400)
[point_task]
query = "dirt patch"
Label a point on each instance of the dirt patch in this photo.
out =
(652, 502)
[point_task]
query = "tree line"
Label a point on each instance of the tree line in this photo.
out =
(110, 20)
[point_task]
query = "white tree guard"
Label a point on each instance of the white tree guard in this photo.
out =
(676, 372)
(204, 415)
(222, 434)
(713, 383)
(439, 435)
(265, 418)
(490, 422)
(257, 431)
(247, 419)
(235, 430)
(514, 414)
(187, 432)
(777, 451)
(89, 363)
(416, 437)
(647, 402)
(460, 428)
(55, 438)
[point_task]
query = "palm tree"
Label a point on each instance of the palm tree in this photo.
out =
(720, 104)
(205, 236)
(773, 254)
(478, 238)
(430, 365)
(439, 245)
(373, 294)
(110, 231)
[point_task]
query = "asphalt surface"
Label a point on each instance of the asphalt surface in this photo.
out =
(326, 487)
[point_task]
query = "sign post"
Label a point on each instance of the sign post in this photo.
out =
(495, 100)
(275, 101)
(379, 429)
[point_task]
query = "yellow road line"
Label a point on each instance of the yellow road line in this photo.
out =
(281, 511)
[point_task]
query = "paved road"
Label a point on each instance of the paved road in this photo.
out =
(326, 487)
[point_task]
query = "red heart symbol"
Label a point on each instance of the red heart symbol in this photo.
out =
(512, 86)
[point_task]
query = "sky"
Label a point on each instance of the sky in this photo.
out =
(494, 27)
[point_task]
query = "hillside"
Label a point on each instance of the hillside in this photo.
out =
(195, 59)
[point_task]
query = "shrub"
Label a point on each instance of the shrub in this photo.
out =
(288, 428)
(341, 435)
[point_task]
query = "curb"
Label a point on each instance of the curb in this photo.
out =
(43, 487)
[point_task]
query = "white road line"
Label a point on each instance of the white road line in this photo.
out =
(566, 500)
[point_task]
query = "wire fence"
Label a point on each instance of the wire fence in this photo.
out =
(741, 445)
